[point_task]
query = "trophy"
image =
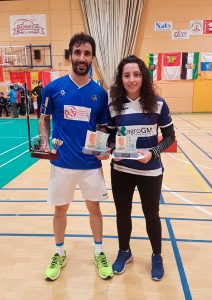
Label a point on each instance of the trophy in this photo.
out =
(96, 143)
(126, 148)
(38, 149)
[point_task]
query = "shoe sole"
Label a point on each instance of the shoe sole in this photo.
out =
(103, 277)
(156, 278)
(107, 277)
(127, 262)
(54, 278)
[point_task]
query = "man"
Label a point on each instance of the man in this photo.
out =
(77, 104)
(3, 104)
(12, 96)
(37, 92)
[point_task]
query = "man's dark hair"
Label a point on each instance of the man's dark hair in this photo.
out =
(82, 38)
(11, 87)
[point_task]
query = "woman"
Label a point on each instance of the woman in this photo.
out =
(136, 110)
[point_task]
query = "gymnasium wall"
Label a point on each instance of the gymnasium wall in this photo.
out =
(181, 95)
(64, 18)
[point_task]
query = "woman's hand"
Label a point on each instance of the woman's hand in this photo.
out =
(104, 157)
(147, 156)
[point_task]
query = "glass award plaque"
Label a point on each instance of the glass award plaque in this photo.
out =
(126, 148)
(96, 143)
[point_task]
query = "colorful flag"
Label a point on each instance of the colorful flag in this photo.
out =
(154, 63)
(207, 27)
(34, 79)
(45, 77)
(171, 66)
(190, 65)
(206, 65)
(17, 77)
(1, 71)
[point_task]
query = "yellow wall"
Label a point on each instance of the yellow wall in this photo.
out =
(202, 101)
(64, 18)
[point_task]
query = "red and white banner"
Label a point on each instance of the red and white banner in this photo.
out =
(171, 66)
(207, 26)
(28, 25)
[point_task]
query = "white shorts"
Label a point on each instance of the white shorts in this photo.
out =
(63, 183)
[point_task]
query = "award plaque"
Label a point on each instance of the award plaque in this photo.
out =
(95, 143)
(126, 148)
(38, 149)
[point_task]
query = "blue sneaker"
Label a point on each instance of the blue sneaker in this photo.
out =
(157, 271)
(121, 261)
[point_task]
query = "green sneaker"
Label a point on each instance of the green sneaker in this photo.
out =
(105, 269)
(52, 272)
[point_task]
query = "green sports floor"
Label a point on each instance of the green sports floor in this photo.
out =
(14, 147)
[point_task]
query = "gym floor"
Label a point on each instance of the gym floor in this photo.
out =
(26, 235)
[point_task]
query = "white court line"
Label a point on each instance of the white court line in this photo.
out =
(13, 158)
(187, 162)
(188, 201)
(7, 122)
(17, 146)
(13, 137)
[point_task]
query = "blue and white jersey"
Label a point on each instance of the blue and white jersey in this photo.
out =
(74, 109)
(138, 123)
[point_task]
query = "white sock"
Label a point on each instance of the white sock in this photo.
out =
(60, 249)
(98, 248)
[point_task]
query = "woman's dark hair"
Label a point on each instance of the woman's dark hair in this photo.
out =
(82, 38)
(118, 93)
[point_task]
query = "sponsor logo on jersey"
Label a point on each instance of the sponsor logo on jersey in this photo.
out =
(138, 130)
(123, 130)
(94, 98)
(77, 113)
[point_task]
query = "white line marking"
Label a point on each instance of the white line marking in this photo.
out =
(188, 201)
(16, 146)
(187, 162)
(7, 122)
(13, 158)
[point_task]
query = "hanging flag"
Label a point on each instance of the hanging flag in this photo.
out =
(171, 66)
(45, 77)
(34, 79)
(1, 71)
(190, 65)
(206, 65)
(154, 63)
(28, 80)
(17, 77)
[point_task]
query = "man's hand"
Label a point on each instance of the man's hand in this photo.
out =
(44, 144)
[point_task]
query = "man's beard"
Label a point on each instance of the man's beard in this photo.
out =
(77, 70)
